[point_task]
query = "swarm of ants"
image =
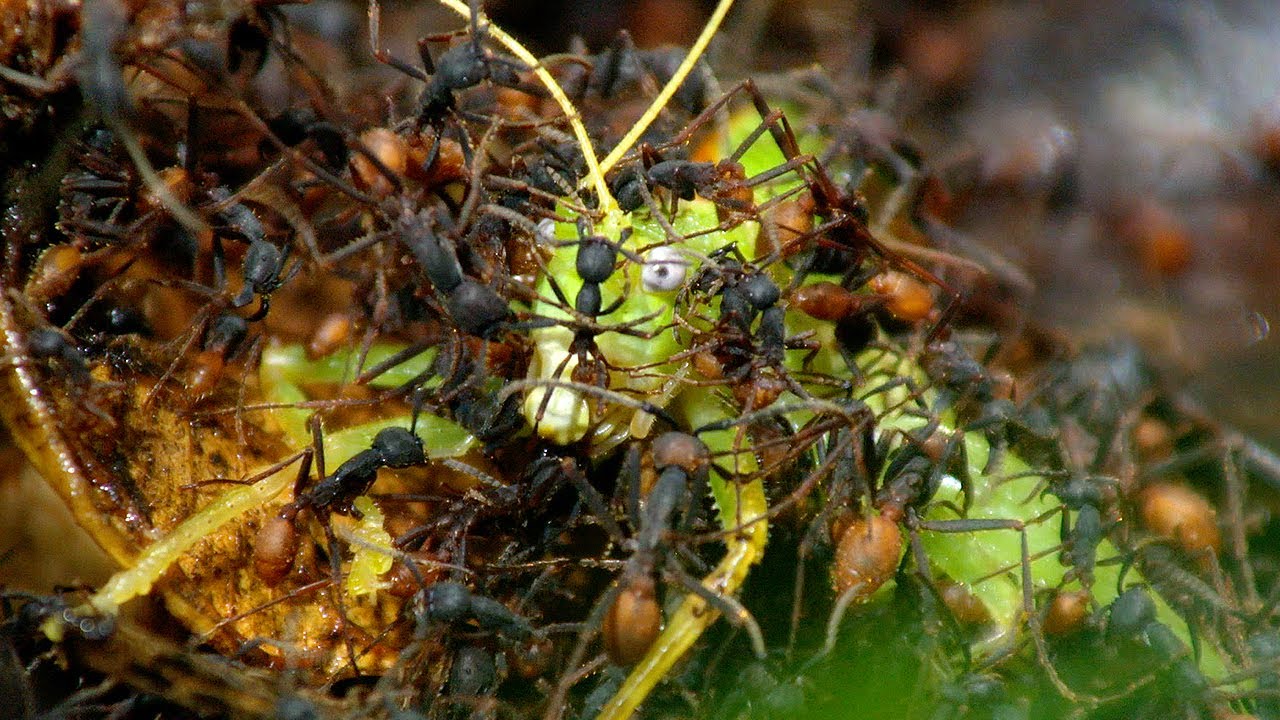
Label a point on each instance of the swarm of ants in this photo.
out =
(391, 398)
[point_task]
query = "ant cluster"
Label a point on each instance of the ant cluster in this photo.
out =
(570, 402)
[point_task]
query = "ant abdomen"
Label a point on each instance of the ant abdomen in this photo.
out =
(828, 301)
(276, 548)
(632, 622)
(867, 555)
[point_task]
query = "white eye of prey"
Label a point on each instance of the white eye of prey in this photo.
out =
(664, 269)
(546, 231)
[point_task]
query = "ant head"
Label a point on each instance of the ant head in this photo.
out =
(225, 333)
(680, 450)
(477, 309)
(596, 259)
(761, 291)
(399, 447)
(445, 602)
(1131, 612)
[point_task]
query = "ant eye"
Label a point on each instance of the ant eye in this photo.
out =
(664, 270)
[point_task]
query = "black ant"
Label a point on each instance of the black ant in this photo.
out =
(292, 127)
(264, 265)
(662, 269)
(277, 543)
(223, 338)
(476, 308)
(451, 603)
(1133, 617)
(461, 67)
(622, 68)
(747, 344)
(595, 263)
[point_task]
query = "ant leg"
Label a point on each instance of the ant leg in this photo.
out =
(853, 414)
(335, 568)
(592, 497)
(370, 374)
(610, 395)
(786, 167)
(191, 159)
(729, 607)
(765, 122)
(1234, 506)
(1037, 637)
(207, 635)
(781, 130)
(545, 402)
(575, 671)
(383, 55)
(33, 82)
(317, 442)
(836, 618)
(709, 112)
(198, 329)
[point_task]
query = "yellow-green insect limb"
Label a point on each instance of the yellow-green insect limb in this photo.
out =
(151, 564)
(371, 559)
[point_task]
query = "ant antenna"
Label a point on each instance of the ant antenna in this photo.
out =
(419, 397)
(595, 176)
(686, 66)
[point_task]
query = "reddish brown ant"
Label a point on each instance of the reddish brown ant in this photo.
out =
(1181, 515)
(1067, 612)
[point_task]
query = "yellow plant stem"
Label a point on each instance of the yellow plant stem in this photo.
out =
(651, 113)
(595, 175)
(750, 530)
